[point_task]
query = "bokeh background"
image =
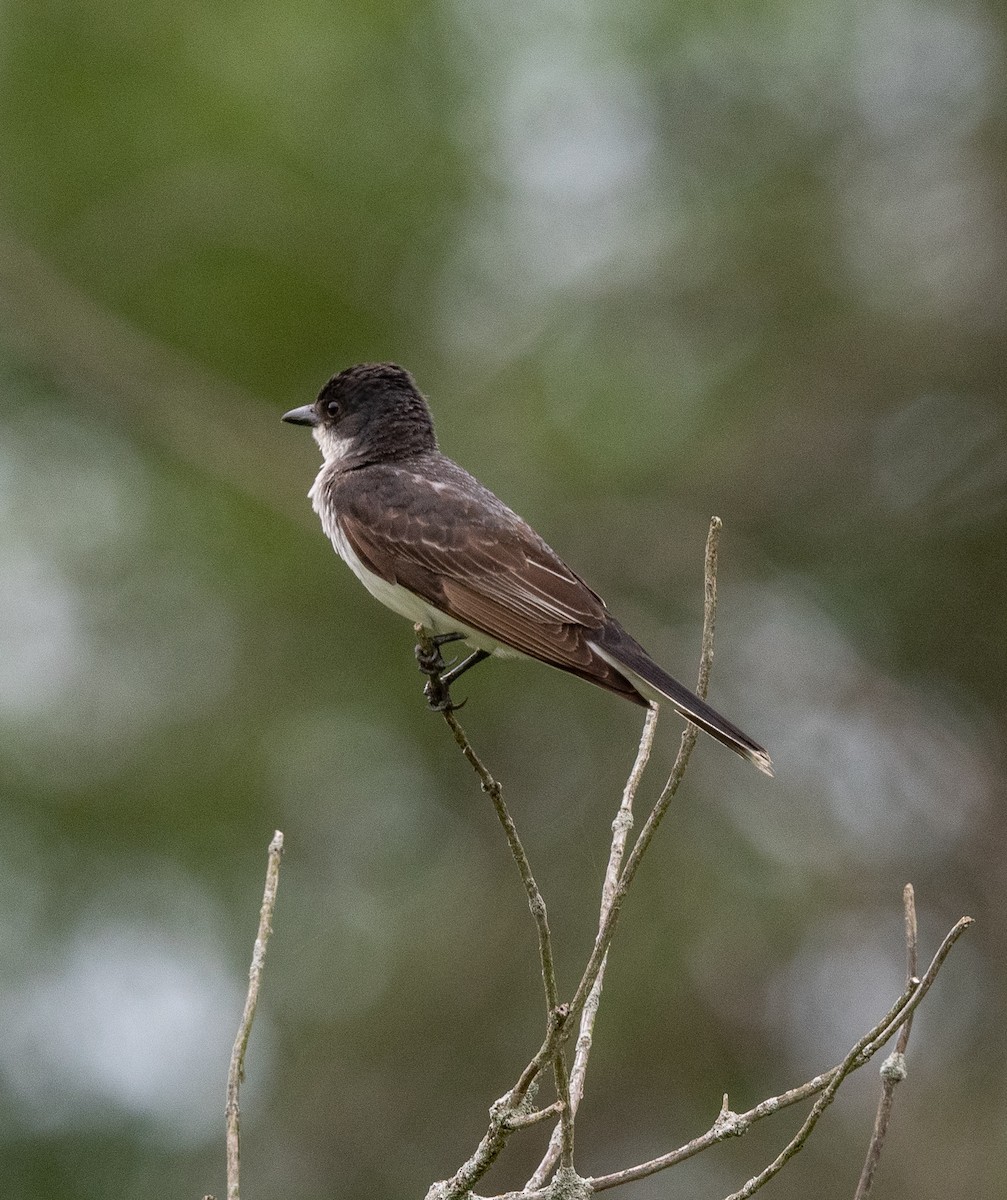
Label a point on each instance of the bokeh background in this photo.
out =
(650, 262)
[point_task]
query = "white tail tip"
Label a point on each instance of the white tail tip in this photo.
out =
(762, 760)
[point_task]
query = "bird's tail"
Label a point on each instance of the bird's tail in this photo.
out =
(629, 658)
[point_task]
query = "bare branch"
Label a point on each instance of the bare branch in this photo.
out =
(502, 1115)
(621, 826)
(236, 1072)
(730, 1124)
(608, 925)
(566, 1114)
(491, 1144)
(494, 790)
(514, 1110)
(912, 955)
(523, 1120)
(709, 605)
(893, 1070)
(617, 882)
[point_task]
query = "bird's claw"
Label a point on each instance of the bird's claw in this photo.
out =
(439, 697)
(431, 662)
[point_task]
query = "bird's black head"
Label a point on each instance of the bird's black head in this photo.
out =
(372, 412)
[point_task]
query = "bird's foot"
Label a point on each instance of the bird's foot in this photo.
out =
(431, 663)
(438, 696)
(429, 659)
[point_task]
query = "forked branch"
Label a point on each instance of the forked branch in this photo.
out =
(826, 1085)
(893, 1070)
(555, 1178)
(617, 882)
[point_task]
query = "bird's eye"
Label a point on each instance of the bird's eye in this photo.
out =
(332, 408)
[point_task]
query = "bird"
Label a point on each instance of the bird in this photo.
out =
(434, 545)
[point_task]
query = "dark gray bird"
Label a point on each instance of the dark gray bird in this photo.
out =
(430, 542)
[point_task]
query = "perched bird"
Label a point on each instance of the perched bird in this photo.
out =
(430, 542)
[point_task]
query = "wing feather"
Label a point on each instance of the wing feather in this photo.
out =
(464, 552)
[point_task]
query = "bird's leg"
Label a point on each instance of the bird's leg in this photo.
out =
(476, 656)
(437, 687)
(439, 678)
(431, 663)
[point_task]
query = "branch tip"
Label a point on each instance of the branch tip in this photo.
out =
(236, 1070)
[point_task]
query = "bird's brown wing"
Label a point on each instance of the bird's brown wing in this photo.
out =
(457, 546)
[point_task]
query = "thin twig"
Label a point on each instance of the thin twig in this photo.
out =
(554, 1032)
(617, 883)
(546, 1193)
(912, 955)
(730, 1124)
(608, 925)
(513, 1110)
(623, 822)
(893, 1070)
(536, 903)
(236, 1072)
(566, 1114)
(523, 1120)
(709, 605)
(621, 826)
(502, 1115)
(494, 790)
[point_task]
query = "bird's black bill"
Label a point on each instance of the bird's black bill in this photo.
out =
(305, 415)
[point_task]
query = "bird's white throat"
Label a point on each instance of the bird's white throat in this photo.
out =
(333, 447)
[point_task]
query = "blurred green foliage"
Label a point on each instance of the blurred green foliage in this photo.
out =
(649, 262)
